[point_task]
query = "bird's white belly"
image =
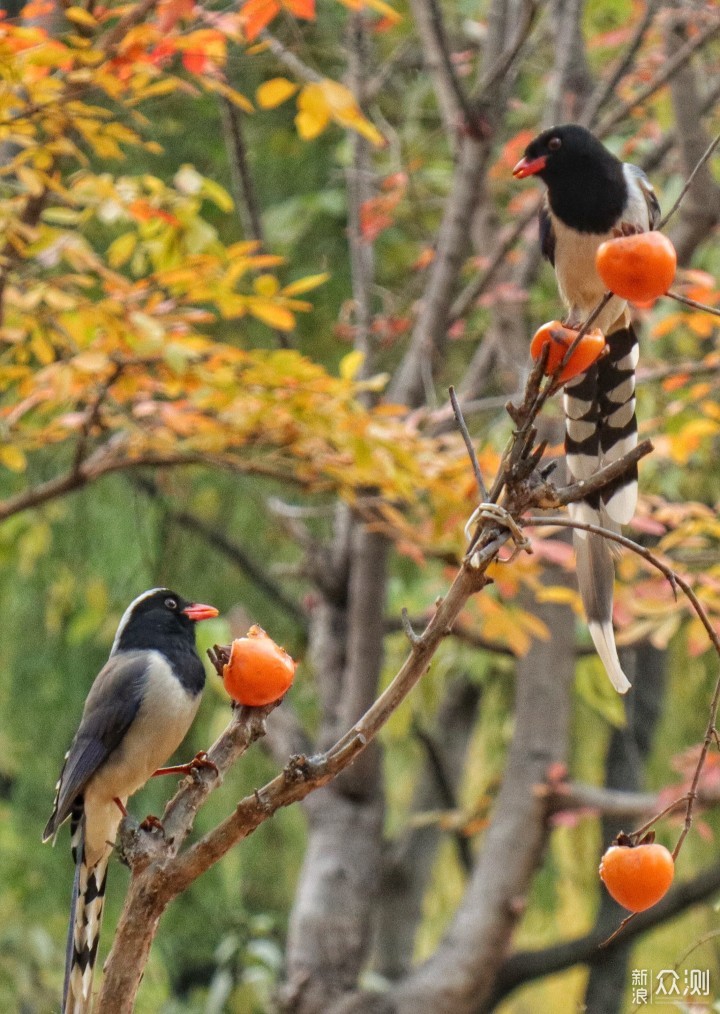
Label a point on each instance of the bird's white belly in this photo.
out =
(162, 721)
(581, 288)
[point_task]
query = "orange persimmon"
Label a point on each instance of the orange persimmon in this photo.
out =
(560, 338)
(637, 876)
(258, 671)
(639, 267)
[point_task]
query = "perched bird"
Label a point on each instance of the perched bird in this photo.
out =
(592, 196)
(137, 712)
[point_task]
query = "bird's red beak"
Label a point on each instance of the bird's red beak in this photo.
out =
(197, 611)
(529, 167)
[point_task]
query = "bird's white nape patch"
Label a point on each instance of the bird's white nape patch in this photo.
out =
(128, 613)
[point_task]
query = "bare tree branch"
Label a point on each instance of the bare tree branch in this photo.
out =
(670, 67)
(608, 86)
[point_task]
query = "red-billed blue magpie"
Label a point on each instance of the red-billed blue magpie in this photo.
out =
(591, 197)
(137, 713)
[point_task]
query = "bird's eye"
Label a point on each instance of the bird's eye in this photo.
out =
(171, 604)
(554, 143)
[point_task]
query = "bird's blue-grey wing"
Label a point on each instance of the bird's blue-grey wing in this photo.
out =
(634, 174)
(110, 708)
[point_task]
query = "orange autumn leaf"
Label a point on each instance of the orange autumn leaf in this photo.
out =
(172, 11)
(304, 9)
(196, 62)
(256, 15)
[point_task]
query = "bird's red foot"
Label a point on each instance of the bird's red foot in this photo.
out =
(626, 229)
(120, 805)
(199, 761)
(152, 823)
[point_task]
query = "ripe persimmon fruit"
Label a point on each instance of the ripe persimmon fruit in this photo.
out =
(638, 875)
(560, 338)
(639, 267)
(258, 671)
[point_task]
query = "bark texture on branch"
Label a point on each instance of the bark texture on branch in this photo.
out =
(460, 974)
(408, 861)
(700, 210)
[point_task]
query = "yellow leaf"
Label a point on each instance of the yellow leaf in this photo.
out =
(32, 181)
(270, 313)
(689, 439)
(79, 16)
(237, 98)
(559, 595)
(313, 113)
(12, 458)
(385, 10)
(218, 195)
(351, 363)
(266, 285)
(344, 110)
(121, 250)
(274, 92)
(154, 90)
(305, 284)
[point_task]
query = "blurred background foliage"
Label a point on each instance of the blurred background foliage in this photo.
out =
(70, 568)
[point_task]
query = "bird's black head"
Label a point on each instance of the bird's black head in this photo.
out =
(564, 152)
(159, 618)
(586, 184)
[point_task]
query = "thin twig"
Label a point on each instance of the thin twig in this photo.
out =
(291, 61)
(607, 88)
(676, 581)
(462, 426)
(688, 183)
(407, 626)
(504, 62)
(670, 68)
(481, 282)
(715, 311)
(214, 536)
(443, 52)
(640, 831)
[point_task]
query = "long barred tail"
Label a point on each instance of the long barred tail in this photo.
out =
(86, 909)
(600, 427)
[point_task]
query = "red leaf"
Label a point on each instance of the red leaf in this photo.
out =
(256, 15)
(195, 61)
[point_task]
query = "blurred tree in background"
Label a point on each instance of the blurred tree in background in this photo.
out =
(245, 251)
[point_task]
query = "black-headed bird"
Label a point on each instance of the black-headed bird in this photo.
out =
(592, 196)
(137, 713)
